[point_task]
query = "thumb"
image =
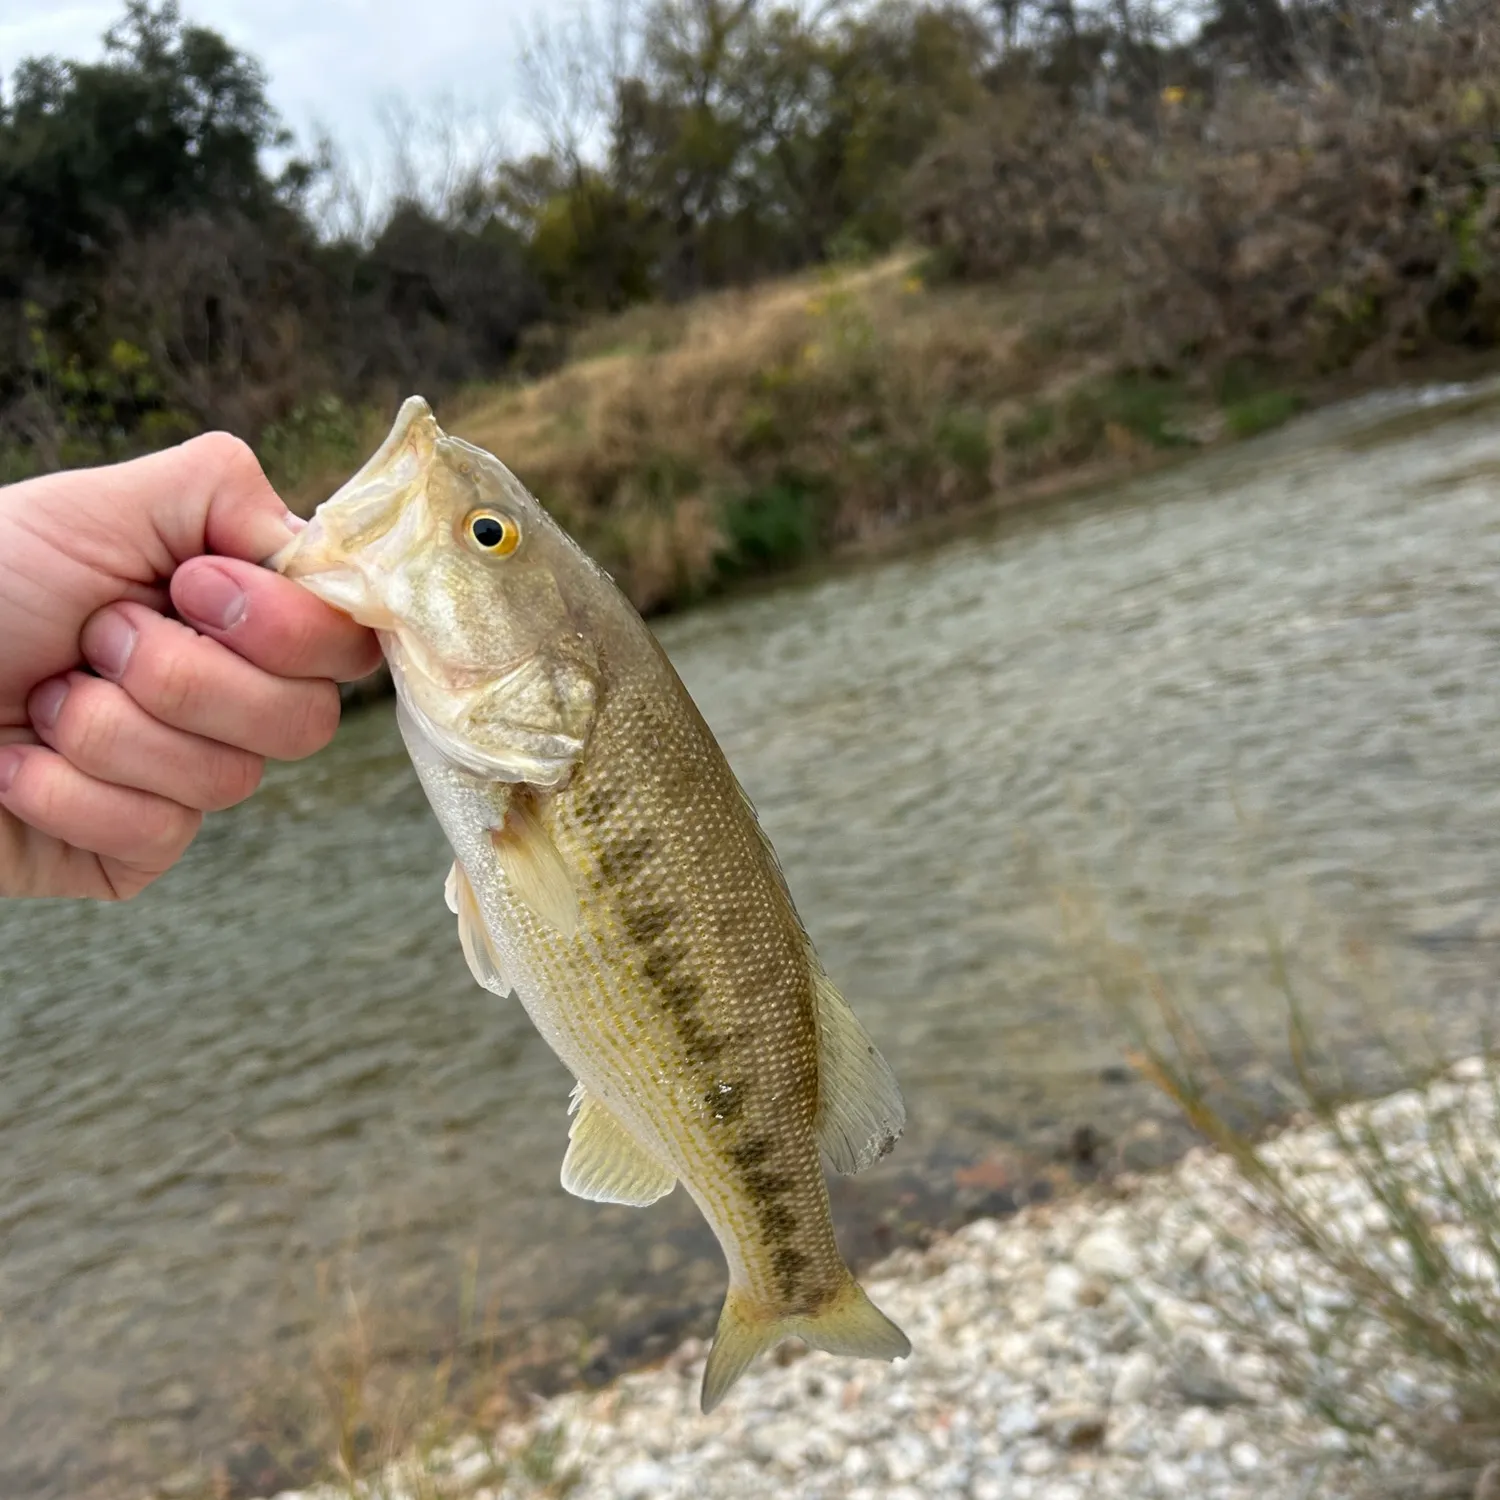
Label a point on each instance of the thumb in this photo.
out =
(210, 494)
(138, 520)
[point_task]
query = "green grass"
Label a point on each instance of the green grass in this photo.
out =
(1253, 415)
(772, 526)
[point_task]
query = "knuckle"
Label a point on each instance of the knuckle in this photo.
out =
(302, 638)
(224, 452)
(169, 832)
(311, 724)
(41, 794)
(175, 683)
(233, 778)
(88, 730)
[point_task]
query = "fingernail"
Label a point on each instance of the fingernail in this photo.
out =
(47, 701)
(10, 763)
(294, 523)
(209, 596)
(108, 645)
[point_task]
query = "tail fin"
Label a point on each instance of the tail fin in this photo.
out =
(850, 1324)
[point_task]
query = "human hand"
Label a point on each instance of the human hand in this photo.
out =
(104, 779)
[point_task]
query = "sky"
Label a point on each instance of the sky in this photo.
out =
(330, 62)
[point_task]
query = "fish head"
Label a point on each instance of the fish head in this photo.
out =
(440, 548)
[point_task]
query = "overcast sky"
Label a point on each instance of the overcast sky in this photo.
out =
(329, 61)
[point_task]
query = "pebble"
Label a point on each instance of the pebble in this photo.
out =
(1101, 1347)
(1244, 1458)
(1037, 1461)
(1061, 1288)
(1137, 1374)
(1109, 1254)
(644, 1480)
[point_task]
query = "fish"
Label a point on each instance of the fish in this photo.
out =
(610, 872)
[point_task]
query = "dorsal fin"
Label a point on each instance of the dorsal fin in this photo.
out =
(860, 1110)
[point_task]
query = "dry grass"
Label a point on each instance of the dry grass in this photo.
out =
(1379, 1303)
(750, 430)
(688, 447)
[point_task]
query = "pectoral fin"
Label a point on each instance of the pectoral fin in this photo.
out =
(472, 934)
(534, 868)
(860, 1112)
(605, 1164)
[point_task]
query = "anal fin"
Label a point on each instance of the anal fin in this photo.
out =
(607, 1165)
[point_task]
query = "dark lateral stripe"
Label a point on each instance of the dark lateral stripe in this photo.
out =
(624, 858)
(777, 1220)
(648, 924)
(595, 805)
(789, 1263)
(763, 1184)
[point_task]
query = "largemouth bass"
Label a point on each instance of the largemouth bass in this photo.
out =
(609, 871)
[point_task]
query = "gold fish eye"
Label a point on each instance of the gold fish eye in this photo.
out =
(490, 532)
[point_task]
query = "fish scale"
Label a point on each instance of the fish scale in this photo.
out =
(609, 870)
(733, 928)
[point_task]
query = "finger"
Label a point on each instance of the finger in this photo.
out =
(271, 621)
(106, 734)
(195, 684)
(208, 494)
(145, 833)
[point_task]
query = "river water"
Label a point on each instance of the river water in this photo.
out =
(260, 1123)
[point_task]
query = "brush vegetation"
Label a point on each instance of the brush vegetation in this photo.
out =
(689, 322)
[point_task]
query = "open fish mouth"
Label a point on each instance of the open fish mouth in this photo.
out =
(333, 579)
(364, 516)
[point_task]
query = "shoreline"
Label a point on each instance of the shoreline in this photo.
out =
(1430, 390)
(1120, 1343)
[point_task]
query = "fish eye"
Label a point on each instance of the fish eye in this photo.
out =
(489, 531)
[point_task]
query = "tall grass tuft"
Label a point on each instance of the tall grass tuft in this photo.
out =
(1378, 1305)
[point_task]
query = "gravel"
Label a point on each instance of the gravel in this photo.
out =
(1099, 1347)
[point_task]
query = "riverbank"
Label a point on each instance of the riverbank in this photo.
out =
(1058, 439)
(849, 413)
(1157, 1340)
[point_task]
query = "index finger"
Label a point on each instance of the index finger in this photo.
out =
(271, 621)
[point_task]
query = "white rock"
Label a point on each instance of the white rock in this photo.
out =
(1061, 1288)
(1107, 1253)
(908, 1457)
(1129, 1434)
(1201, 1431)
(1018, 1419)
(1135, 1378)
(857, 1463)
(1244, 1458)
(1037, 1461)
(1170, 1478)
(643, 1480)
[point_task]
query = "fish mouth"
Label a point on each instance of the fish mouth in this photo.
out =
(363, 511)
(312, 559)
